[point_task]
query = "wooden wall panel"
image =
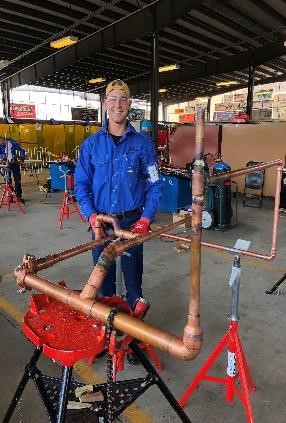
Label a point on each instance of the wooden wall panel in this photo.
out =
(257, 142)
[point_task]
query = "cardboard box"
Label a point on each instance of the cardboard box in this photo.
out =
(180, 216)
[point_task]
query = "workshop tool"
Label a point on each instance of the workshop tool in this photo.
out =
(67, 336)
(8, 192)
(68, 199)
(237, 367)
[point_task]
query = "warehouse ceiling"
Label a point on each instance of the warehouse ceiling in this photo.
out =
(212, 41)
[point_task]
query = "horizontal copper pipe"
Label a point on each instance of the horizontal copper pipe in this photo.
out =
(219, 247)
(244, 170)
(143, 331)
(38, 264)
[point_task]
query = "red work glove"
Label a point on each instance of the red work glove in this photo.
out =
(141, 226)
(93, 223)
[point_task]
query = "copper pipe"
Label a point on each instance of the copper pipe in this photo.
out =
(193, 329)
(244, 170)
(132, 326)
(267, 257)
(114, 250)
(120, 233)
(219, 247)
(38, 264)
(276, 210)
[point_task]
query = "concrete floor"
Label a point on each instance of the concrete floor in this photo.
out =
(262, 325)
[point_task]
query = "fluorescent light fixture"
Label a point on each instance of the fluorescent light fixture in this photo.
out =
(226, 83)
(4, 63)
(96, 80)
(168, 68)
(202, 99)
(64, 42)
(162, 90)
(284, 43)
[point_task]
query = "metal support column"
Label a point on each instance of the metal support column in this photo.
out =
(208, 116)
(5, 99)
(165, 114)
(102, 110)
(155, 87)
(250, 87)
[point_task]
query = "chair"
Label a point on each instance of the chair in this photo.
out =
(254, 181)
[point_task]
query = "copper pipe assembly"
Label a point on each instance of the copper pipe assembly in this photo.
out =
(189, 345)
(114, 250)
(253, 254)
(120, 233)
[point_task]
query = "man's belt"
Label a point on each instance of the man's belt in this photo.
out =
(126, 214)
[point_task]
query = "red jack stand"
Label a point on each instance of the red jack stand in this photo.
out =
(68, 200)
(11, 197)
(65, 208)
(237, 367)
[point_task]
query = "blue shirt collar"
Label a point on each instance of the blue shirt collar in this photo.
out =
(129, 128)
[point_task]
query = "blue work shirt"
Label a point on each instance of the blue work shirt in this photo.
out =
(113, 178)
(14, 147)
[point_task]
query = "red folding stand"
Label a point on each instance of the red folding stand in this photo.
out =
(68, 200)
(10, 195)
(237, 367)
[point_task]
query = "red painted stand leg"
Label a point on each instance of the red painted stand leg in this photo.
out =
(237, 369)
(10, 196)
(65, 208)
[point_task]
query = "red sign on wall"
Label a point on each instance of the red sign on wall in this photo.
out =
(20, 110)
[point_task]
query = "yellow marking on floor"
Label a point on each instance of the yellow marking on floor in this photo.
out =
(8, 275)
(134, 413)
(11, 310)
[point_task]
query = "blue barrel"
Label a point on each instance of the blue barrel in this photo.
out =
(221, 190)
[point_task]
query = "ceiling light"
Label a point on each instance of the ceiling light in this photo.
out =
(64, 42)
(168, 68)
(202, 99)
(226, 83)
(284, 43)
(96, 80)
(162, 90)
(4, 63)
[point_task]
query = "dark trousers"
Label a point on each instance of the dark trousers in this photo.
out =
(132, 267)
(14, 169)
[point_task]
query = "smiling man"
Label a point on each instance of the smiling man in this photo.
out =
(117, 174)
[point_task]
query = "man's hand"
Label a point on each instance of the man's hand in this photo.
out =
(141, 226)
(97, 227)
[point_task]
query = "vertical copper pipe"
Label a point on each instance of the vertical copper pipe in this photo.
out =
(193, 326)
(276, 210)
